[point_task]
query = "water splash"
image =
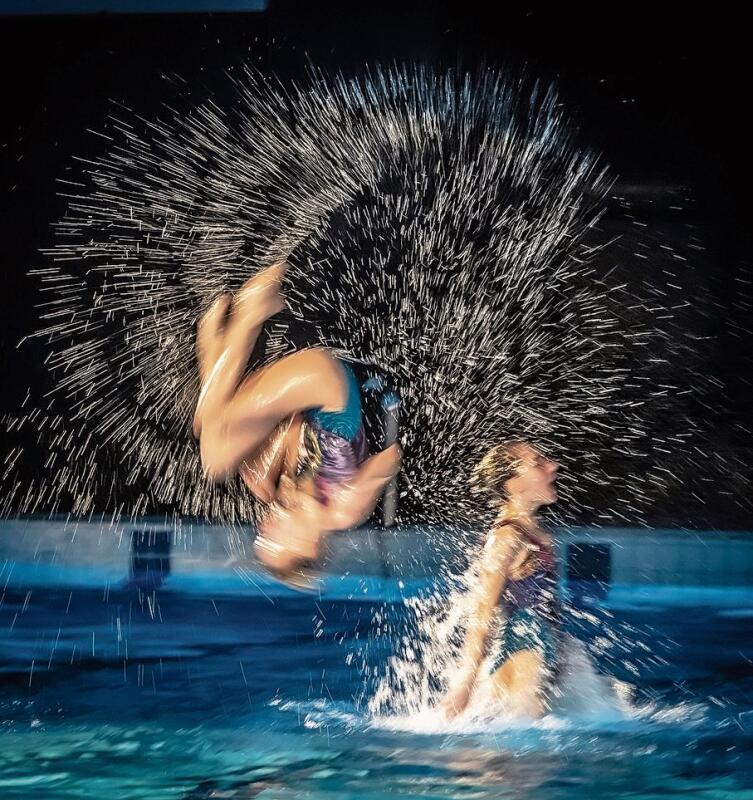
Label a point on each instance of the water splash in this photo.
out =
(427, 655)
(441, 227)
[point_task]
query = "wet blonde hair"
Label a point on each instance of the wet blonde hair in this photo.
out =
(498, 465)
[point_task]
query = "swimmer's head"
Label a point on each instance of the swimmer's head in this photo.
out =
(516, 470)
(290, 533)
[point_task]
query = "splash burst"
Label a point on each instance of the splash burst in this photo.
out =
(441, 228)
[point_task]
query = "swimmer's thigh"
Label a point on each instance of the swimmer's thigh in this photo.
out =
(521, 670)
(522, 680)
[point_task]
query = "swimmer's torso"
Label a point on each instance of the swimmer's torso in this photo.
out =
(532, 582)
(333, 443)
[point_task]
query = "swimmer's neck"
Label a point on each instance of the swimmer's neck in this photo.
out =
(515, 508)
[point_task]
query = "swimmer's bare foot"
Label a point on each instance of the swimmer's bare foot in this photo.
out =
(210, 338)
(260, 297)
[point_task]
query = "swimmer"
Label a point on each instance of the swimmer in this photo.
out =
(517, 577)
(303, 409)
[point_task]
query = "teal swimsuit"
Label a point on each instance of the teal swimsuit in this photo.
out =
(335, 441)
(531, 609)
(347, 422)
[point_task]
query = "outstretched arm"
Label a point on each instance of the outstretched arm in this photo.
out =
(499, 553)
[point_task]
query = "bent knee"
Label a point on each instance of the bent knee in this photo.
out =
(214, 461)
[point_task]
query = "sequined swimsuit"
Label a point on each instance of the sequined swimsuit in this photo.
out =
(537, 591)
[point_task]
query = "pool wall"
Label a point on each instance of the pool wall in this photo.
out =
(153, 554)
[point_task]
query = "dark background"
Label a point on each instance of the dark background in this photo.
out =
(663, 95)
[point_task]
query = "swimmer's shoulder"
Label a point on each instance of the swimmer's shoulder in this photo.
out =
(506, 537)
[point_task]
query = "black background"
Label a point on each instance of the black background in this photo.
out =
(662, 93)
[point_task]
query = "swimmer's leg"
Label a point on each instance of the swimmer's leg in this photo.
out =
(521, 682)
(210, 339)
(240, 416)
(224, 343)
(244, 421)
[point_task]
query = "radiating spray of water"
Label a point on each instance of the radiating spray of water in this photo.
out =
(428, 658)
(441, 227)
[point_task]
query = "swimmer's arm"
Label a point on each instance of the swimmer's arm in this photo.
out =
(353, 504)
(499, 554)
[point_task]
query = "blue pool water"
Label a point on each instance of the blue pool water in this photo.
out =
(117, 694)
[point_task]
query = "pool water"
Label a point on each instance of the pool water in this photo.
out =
(121, 694)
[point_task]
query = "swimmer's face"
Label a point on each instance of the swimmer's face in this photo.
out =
(535, 480)
(296, 527)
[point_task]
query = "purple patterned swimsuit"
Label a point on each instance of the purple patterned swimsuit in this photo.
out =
(334, 442)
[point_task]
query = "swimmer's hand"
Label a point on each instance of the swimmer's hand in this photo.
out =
(353, 502)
